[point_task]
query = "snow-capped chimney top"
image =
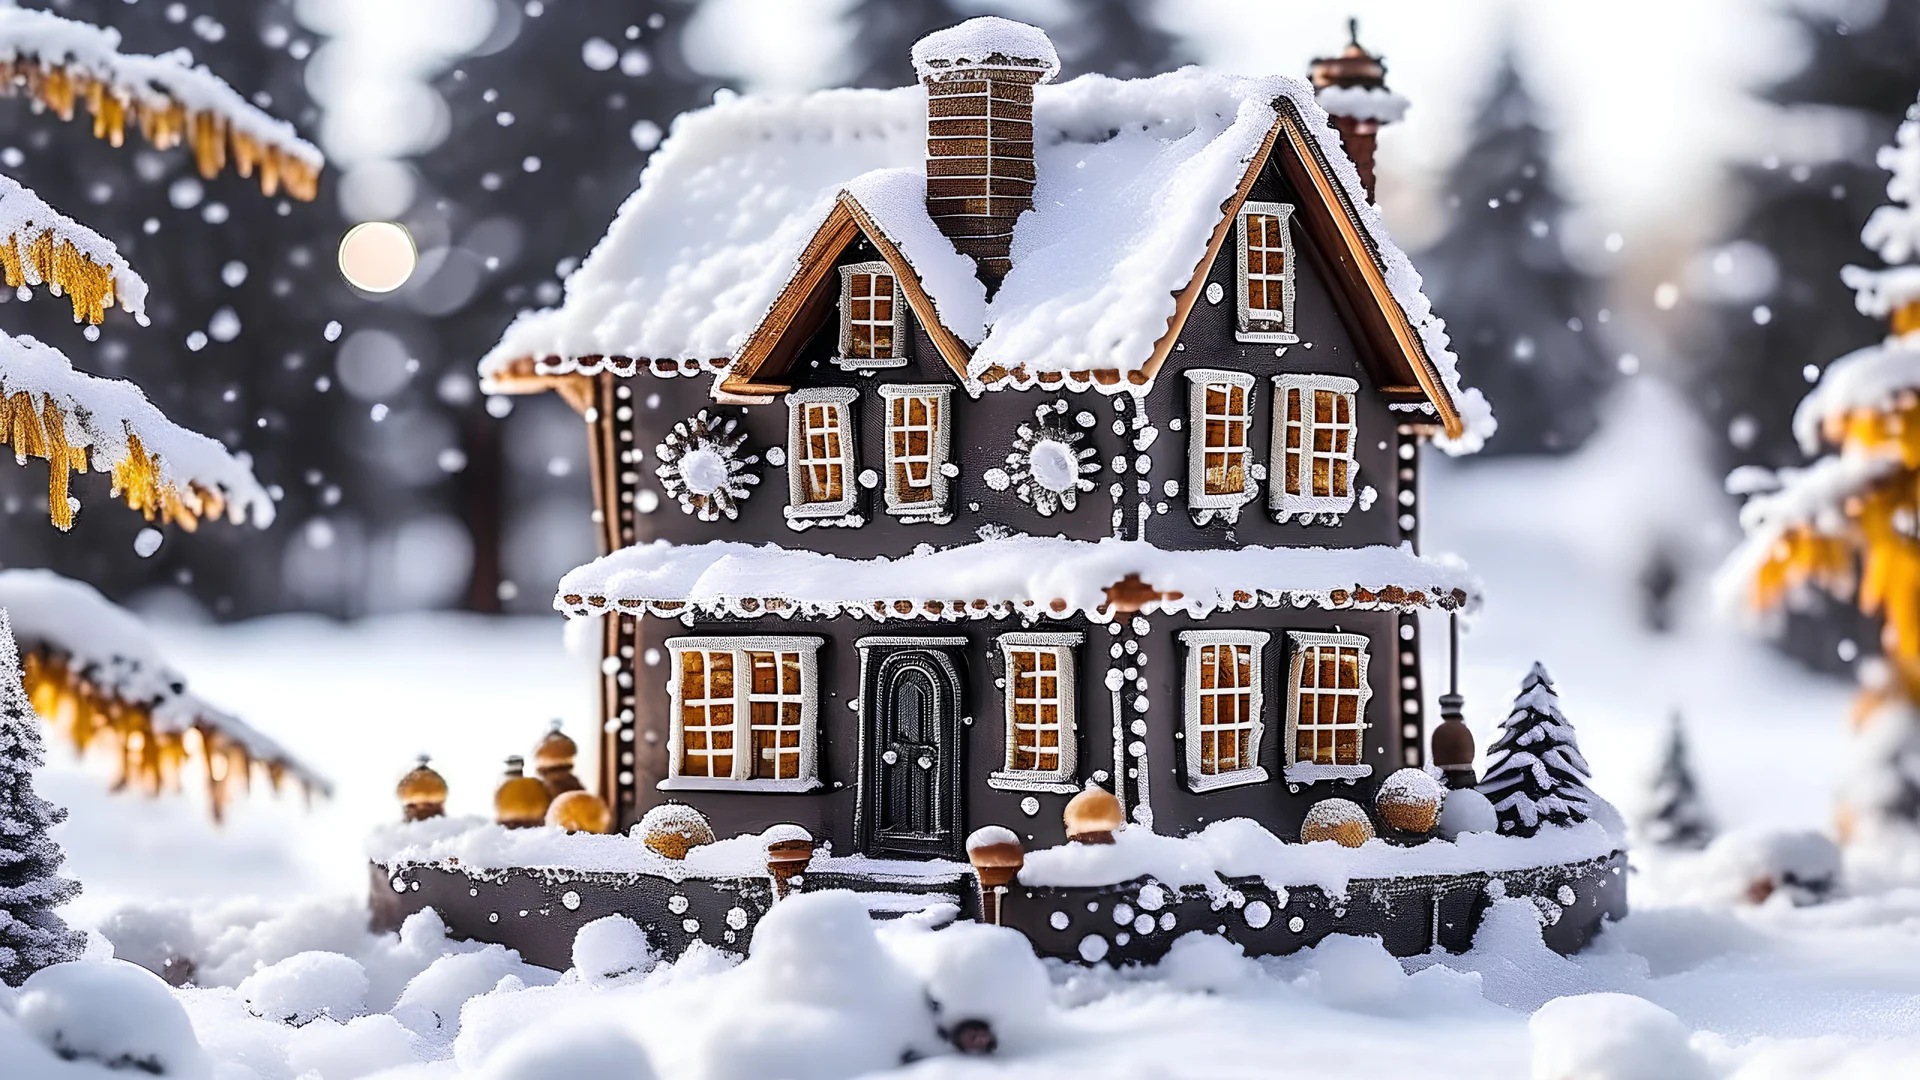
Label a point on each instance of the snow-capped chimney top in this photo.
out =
(980, 77)
(1352, 87)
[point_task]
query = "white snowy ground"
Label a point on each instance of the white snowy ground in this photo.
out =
(1759, 993)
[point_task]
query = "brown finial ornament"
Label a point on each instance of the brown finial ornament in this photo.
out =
(1093, 816)
(997, 858)
(520, 802)
(1355, 68)
(422, 793)
(553, 762)
(1452, 741)
(789, 853)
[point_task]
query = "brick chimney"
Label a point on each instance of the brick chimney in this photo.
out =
(980, 77)
(1352, 87)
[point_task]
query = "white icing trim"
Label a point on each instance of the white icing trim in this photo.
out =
(1204, 504)
(872, 640)
(1307, 772)
(1301, 642)
(898, 358)
(1195, 640)
(743, 778)
(1058, 780)
(1280, 501)
(798, 509)
(939, 450)
(1261, 326)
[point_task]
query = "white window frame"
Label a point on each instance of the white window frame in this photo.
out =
(1266, 324)
(1194, 641)
(1307, 772)
(1061, 780)
(841, 399)
(898, 358)
(1198, 380)
(743, 778)
(1283, 502)
(939, 448)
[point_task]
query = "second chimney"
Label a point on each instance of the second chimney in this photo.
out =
(1352, 87)
(979, 78)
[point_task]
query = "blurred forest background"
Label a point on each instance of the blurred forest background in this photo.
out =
(1569, 254)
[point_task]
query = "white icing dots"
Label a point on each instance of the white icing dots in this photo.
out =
(998, 480)
(736, 919)
(1122, 914)
(1030, 806)
(1257, 914)
(1296, 924)
(1059, 920)
(677, 904)
(1152, 897)
(570, 900)
(1093, 948)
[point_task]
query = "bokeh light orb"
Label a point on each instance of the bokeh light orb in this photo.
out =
(377, 256)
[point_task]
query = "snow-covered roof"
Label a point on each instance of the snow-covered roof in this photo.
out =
(107, 646)
(1131, 178)
(167, 96)
(32, 235)
(1026, 576)
(157, 466)
(983, 41)
(1868, 378)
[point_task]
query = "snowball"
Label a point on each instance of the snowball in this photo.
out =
(146, 542)
(306, 986)
(113, 1014)
(570, 1050)
(1466, 811)
(360, 1047)
(612, 947)
(430, 1005)
(1610, 1037)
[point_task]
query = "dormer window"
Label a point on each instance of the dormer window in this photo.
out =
(1313, 445)
(918, 441)
(1220, 469)
(1266, 273)
(873, 319)
(820, 480)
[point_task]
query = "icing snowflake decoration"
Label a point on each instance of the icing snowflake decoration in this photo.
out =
(701, 465)
(1047, 468)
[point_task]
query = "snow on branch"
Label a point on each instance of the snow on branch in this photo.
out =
(60, 63)
(77, 421)
(45, 247)
(93, 670)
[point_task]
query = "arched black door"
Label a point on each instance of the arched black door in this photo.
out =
(911, 768)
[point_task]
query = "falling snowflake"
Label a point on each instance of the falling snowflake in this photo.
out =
(1047, 468)
(701, 465)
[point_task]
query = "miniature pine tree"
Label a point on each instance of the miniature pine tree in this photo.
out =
(1676, 816)
(1535, 774)
(32, 936)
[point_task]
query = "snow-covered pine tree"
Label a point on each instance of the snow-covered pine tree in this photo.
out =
(1519, 311)
(1843, 525)
(530, 173)
(32, 934)
(1675, 814)
(1535, 774)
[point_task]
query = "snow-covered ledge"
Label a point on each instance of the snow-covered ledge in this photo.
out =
(1309, 772)
(1241, 848)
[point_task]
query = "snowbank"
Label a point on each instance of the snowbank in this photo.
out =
(1029, 575)
(1239, 847)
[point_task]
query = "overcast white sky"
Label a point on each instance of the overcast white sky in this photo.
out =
(1647, 95)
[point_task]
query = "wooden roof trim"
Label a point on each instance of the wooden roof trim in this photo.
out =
(763, 346)
(1308, 160)
(1229, 210)
(952, 349)
(771, 346)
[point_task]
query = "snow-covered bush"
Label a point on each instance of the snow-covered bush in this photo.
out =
(611, 948)
(1466, 811)
(112, 1014)
(975, 972)
(1753, 866)
(1610, 1037)
(306, 986)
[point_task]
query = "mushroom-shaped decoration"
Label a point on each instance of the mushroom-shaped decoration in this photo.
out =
(997, 858)
(1093, 816)
(580, 811)
(673, 829)
(1410, 801)
(789, 852)
(1339, 820)
(520, 802)
(422, 793)
(553, 762)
